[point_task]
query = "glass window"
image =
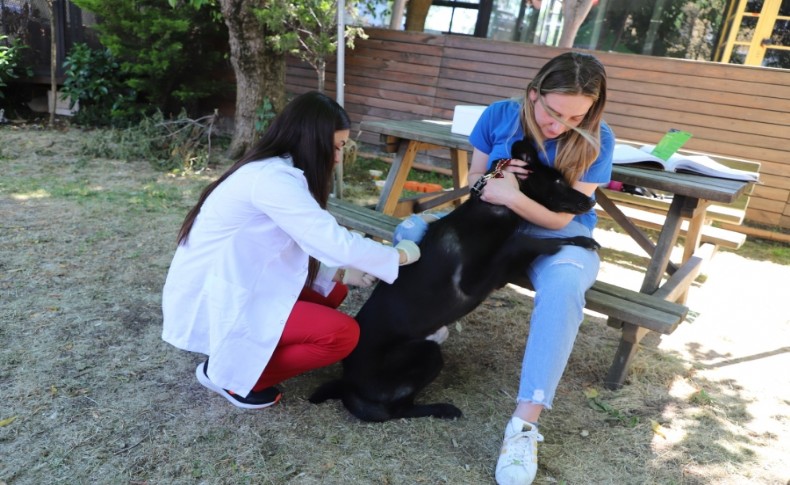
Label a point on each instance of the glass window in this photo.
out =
(448, 16)
(515, 20)
(746, 30)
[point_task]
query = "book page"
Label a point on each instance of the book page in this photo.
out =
(630, 155)
(697, 164)
(705, 165)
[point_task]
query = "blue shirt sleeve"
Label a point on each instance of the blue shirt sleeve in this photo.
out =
(497, 129)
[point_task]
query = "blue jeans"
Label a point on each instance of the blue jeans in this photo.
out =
(560, 282)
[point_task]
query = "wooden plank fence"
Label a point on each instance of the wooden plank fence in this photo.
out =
(739, 112)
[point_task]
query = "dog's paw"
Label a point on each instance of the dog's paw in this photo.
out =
(328, 390)
(439, 410)
(448, 411)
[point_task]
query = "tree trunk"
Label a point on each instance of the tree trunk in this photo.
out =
(321, 72)
(260, 71)
(416, 12)
(573, 14)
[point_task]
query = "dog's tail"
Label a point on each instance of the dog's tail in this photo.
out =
(328, 390)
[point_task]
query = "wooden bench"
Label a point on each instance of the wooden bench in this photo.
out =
(626, 308)
(653, 220)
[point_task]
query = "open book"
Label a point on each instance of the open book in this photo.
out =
(697, 164)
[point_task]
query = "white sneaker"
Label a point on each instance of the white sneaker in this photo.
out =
(518, 459)
(440, 335)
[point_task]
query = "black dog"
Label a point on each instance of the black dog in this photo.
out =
(466, 255)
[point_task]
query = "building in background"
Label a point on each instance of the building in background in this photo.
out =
(29, 21)
(752, 32)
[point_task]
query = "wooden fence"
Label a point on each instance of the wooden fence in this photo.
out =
(739, 112)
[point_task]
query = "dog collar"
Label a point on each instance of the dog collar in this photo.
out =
(477, 188)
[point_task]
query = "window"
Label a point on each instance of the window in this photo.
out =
(459, 17)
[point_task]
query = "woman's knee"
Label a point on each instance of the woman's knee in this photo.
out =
(344, 337)
(569, 273)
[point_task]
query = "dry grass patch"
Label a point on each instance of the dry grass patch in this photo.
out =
(91, 394)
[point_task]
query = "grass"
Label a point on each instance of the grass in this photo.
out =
(91, 394)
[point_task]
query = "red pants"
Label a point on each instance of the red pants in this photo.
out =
(316, 334)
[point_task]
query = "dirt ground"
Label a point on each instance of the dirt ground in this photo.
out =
(90, 394)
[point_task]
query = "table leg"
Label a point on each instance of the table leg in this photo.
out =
(693, 239)
(666, 241)
(397, 176)
(694, 232)
(460, 167)
(622, 220)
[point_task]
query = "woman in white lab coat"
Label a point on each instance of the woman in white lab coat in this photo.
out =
(260, 265)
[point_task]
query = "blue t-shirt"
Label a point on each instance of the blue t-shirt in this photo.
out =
(499, 127)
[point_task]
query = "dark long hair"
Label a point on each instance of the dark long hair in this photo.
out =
(305, 131)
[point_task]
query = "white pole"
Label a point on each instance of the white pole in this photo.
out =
(337, 190)
(396, 21)
(341, 51)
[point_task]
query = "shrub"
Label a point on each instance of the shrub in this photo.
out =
(167, 58)
(10, 68)
(93, 78)
(175, 145)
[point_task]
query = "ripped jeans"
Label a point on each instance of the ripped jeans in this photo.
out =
(560, 282)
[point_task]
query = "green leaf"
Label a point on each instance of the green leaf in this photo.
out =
(7, 421)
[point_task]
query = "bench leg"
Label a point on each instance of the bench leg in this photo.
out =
(629, 344)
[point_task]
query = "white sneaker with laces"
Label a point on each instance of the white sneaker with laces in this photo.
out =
(518, 459)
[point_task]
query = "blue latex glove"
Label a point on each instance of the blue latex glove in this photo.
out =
(414, 227)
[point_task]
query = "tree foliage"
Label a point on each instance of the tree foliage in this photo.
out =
(11, 66)
(257, 50)
(308, 30)
(165, 56)
(92, 79)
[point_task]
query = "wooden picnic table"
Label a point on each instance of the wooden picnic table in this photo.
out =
(655, 307)
(691, 195)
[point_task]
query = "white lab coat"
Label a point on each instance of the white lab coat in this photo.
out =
(232, 286)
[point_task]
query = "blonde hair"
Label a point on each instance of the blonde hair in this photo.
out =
(569, 73)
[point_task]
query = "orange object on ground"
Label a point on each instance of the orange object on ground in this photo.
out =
(415, 186)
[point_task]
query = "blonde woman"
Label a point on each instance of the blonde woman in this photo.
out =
(561, 114)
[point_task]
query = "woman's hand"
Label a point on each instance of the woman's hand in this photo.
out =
(517, 167)
(502, 191)
(408, 251)
(355, 277)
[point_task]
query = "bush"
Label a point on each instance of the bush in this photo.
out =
(93, 79)
(10, 54)
(174, 145)
(167, 58)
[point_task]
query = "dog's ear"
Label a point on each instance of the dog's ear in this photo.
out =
(523, 150)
